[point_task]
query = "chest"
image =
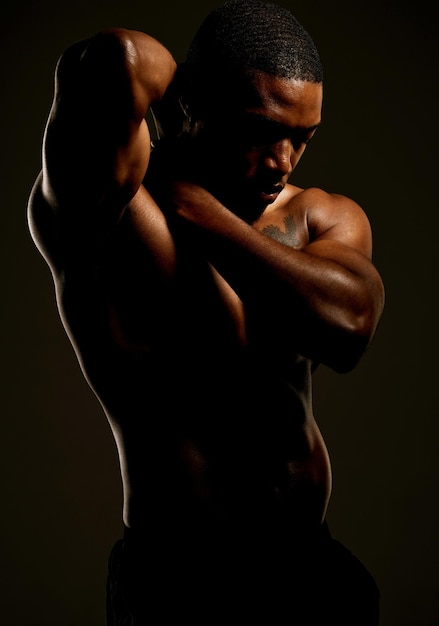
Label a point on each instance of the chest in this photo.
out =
(285, 221)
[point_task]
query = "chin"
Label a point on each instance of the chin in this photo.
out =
(249, 210)
(242, 202)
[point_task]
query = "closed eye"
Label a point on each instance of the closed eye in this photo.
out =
(256, 130)
(299, 138)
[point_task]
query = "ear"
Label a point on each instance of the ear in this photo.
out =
(170, 116)
(187, 124)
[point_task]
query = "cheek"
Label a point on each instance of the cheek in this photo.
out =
(297, 156)
(251, 161)
(241, 165)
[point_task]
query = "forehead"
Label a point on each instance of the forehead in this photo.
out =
(288, 101)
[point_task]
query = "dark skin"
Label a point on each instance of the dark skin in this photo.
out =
(198, 287)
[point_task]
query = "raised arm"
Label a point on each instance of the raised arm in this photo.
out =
(96, 145)
(327, 295)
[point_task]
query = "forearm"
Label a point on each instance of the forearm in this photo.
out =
(331, 301)
(97, 129)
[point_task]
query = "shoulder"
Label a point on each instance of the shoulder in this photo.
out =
(63, 238)
(321, 206)
(41, 221)
(316, 214)
(326, 209)
(332, 216)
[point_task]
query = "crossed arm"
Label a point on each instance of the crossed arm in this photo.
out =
(95, 155)
(96, 145)
(327, 292)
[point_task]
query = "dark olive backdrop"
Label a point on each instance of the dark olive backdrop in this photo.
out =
(60, 485)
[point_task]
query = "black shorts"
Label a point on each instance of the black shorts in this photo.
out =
(209, 580)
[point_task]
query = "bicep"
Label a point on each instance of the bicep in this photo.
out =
(339, 230)
(341, 234)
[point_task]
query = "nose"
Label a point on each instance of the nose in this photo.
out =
(280, 156)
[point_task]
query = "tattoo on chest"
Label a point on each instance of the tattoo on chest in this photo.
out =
(289, 237)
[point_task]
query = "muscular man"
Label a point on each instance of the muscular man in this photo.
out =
(200, 290)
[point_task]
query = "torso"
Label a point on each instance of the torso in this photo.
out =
(206, 412)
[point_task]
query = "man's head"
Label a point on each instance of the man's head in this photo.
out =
(244, 37)
(253, 96)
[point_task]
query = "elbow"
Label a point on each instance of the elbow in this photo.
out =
(352, 338)
(339, 346)
(343, 326)
(347, 351)
(90, 55)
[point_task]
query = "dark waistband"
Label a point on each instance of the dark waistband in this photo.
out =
(183, 538)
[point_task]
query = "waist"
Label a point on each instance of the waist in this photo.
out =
(215, 538)
(239, 486)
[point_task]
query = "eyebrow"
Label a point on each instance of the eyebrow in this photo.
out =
(281, 127)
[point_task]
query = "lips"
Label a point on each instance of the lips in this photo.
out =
(269, 193)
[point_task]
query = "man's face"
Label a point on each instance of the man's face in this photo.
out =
(252, 145)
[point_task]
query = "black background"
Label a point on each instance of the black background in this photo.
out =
(60, 485)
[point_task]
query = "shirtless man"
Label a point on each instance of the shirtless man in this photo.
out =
(200, 290)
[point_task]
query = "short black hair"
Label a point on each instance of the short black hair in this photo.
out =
(253, 35)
